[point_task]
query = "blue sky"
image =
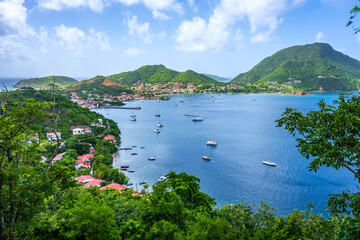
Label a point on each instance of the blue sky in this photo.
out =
(84, 38)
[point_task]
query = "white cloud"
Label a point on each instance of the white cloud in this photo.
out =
(13, 18)
(137, 29)
(160, 16)
(132, 51)
(57, 5)
(320, 37)
(76, 40)
(263, 16)
(99, 5)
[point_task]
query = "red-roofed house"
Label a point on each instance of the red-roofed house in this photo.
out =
(52, 136)
(95, 182)
(114, 186)
(58, 157)
(84, 161)
(110, 138)
(84, 179)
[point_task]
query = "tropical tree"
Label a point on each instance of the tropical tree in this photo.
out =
(331, 136)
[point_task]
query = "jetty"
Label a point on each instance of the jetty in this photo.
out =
(191, 115)
(125, 148)
(121, 107)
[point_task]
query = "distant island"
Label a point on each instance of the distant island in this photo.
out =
(46, 82)
(295, 70)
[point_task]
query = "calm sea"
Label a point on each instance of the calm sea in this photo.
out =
(8, 83)
(245, 129)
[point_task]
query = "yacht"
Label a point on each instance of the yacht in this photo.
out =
(269, 163)
(151, 159)
(156, 131)
(132, 115)
(162, 178)
(160, 125)
(143, 182)
(197, 119)
(133, 119)
(131, 170)
(206, 158)
(212, 142)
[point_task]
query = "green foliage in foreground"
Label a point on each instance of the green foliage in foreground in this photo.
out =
(42, 201)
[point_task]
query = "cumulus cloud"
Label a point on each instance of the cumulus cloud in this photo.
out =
(320, 37)
(76, 40)
(13, 18)
(138, 29)
(132, 51)
(99, 5)
(57, 5)
(160, 16)
(263, 16)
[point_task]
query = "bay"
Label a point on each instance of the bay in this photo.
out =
(247, 134)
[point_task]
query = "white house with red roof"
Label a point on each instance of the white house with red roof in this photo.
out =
(110, 138)
(114, 186)
(52, 136)
(84, 179)
(84, 161)
(95, 182)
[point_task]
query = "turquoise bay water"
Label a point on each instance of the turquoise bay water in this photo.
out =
(247, 134)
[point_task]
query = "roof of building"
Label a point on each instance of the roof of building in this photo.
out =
(58, 157)
(84, 178)
(50, 134)
(84, 163)
(94, 182)
(88, 156)
(114, 186)
(109, 137)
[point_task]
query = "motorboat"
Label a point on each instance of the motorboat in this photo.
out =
(133, 115)
(212, 142)
(269, 163)
(133, 119)
(160, 125)
(156, 131)
(123, 169)
(133, 153)
(131, 170)
(124, 166)
(162, 178)
(197, 119)
(206, 158)
(157, 115)
(143, 182)
(129, 184)
(151, 159)
(142, 147)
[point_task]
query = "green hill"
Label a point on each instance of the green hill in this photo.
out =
(100, 85)
(306, 63)
(46, 82)
(159, 74)
(217, 78)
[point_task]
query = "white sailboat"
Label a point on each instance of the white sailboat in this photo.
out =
(212, 142)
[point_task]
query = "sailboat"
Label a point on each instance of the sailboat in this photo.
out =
(212, 142)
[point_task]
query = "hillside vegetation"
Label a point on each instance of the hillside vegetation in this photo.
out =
(46, 82)
(100, 85)
(306, 63)
(160, 74)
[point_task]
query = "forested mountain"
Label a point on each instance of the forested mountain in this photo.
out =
(160, 74)
(217, 78)
(46, 82)
(315, 66)
(99, 85)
